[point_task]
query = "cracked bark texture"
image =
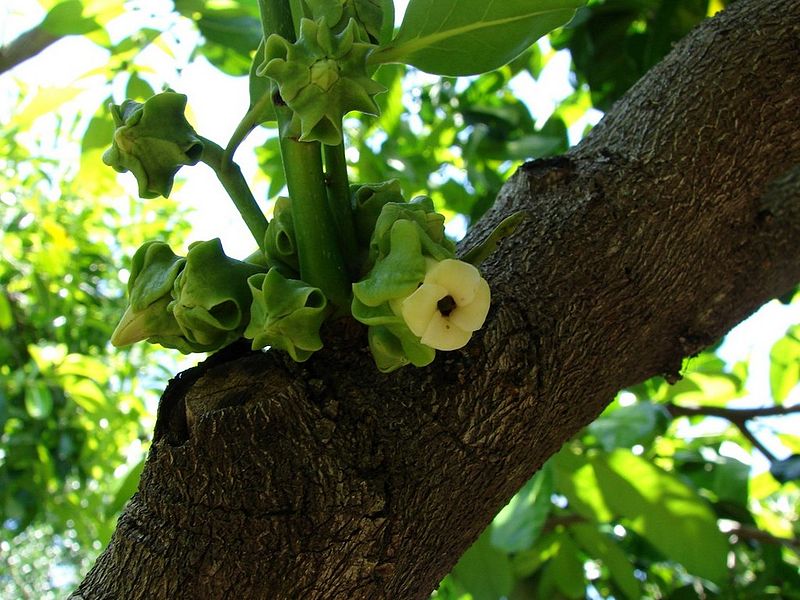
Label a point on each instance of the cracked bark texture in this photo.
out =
(676, 218)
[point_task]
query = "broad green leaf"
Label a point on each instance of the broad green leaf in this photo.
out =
(138, 88)
(604, 548)
(45, 102)
(38, 400)
(784, 368)
(6, 315)
(575, 478)
(563, 575)
(705, 389)
(126, 489)
(466, 37)
(67, 18)
(520, 522)
(726, 478)
(484, 571)
(665, 511)
(628, 425)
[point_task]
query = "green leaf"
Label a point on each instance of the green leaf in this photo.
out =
(484, 571)
(563, 575)
(138, 88)
(705, 389)
(629, 425)
(726, 478)
(466, 37)
(784, 368)
(517, 526)
(665, 511)
(604, 548)
(576, 480)
(46, 102)
(66, 18)
(6, 315)
(38, 400)
(126, 489)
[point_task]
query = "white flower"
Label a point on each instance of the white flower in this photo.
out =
(451, 303)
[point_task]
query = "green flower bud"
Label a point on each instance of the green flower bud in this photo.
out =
(285, 314)
(368, 201)
(153, 272)
(395, 347)
(420, 211)
(153, 140)
(211, 299)
(399, 272)
(322, 77)
(407, 243)
(280, 245)
(391, 342)
(375, 18)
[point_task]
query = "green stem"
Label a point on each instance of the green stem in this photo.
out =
(230, 176)
(254, 117)
(340, 202)
(276, 17)
(318, 250)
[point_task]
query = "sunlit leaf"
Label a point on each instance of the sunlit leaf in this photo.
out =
(612, 556)
(664, 510)
(465, 37)
(575, 478)
(629, 425)
(563, 575)
(484, 571)
(784, 369)
(45, 102)
(67, 18)
(126, 489)
(702, 389)
(38, 400)
(519, 523)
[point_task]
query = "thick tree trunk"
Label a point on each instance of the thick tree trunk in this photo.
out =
(676, 218)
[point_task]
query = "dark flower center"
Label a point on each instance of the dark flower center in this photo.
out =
(446, 305)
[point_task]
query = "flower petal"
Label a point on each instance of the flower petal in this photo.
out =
(470, 317)
(420, 307)
(443, 334)
(460, 279)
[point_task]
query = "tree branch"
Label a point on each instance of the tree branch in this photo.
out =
(644, 244)
(26, 46)
(734, 415)
(748, 532)
(737, 416)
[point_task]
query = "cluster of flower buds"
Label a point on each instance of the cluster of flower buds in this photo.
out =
(416, 297)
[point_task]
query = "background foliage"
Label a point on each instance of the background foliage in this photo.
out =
(676, 491)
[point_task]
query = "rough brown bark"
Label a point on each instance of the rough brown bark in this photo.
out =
(675, 219)
(26, 46)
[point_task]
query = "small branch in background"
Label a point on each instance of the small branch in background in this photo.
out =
(734, 415)
(737, 416)
(754, 440)
(740, 530)
(26, 46)
(747, 532)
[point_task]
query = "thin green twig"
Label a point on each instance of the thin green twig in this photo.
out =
(230, 176)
